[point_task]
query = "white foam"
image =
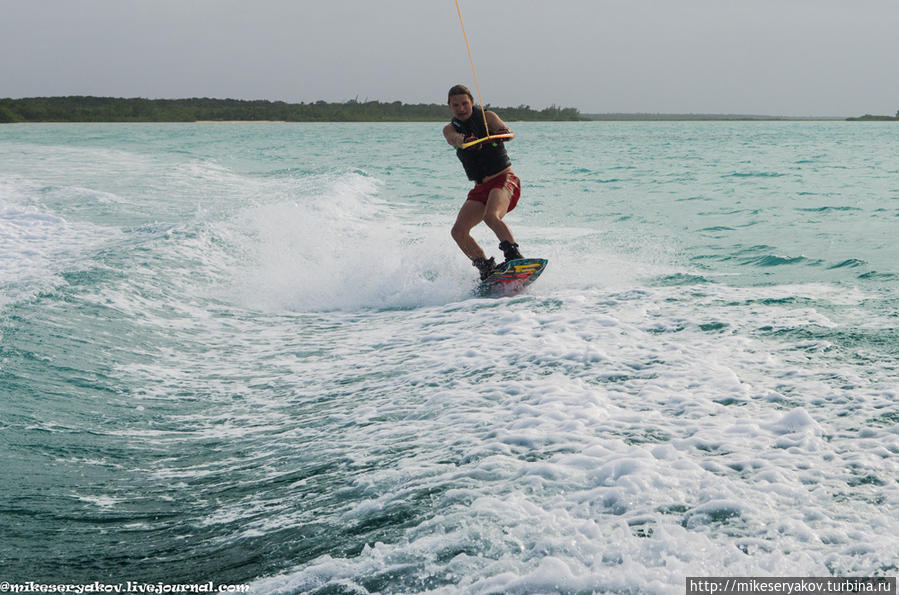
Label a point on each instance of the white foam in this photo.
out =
(335, 246)
(36, 244)
(625, 449)
(100, 501)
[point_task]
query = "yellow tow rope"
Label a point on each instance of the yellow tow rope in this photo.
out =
(477, 88)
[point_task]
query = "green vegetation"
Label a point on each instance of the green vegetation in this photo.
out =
(111, 109)
(645, 117)
(870, 118)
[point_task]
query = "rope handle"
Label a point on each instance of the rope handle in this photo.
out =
(503, 136)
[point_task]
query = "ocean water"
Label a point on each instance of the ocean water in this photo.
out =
(247, 353)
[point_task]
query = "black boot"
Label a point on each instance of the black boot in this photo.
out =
(510, 251)
(486, 266)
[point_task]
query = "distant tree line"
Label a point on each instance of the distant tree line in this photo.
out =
(112, 109)
(870, 118)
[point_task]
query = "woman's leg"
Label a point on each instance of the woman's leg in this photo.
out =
(496, 208)
(470, 214)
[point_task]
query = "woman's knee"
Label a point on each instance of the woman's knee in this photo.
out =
(492, 219)
(459, 232)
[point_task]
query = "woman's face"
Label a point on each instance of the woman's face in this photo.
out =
(461, 106)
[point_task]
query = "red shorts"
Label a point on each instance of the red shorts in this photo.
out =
(509, 181)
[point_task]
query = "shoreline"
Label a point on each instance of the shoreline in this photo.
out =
(634, 119)
(84, 109)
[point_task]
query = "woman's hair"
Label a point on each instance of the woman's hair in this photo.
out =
(458, 90)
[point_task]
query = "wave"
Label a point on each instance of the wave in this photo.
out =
(718, 228)
(36, 245)
(680, 279)
(827, 209)
(773, 260)
(849, 263)
(330, 243)
(760, 174)
(875, 275)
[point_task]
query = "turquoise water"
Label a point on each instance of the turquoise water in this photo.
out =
(247, 353)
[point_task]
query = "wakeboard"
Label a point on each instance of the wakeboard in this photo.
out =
(511, 277)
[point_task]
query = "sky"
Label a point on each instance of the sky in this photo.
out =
(761, 57)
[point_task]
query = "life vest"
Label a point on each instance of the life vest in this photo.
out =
(484, 159)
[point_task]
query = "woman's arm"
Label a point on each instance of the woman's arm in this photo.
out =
(453, 137)
(496, 126)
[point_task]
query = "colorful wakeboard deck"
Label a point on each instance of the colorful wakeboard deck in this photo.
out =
(511, 277)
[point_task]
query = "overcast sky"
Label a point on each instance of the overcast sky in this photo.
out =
(771, 57)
